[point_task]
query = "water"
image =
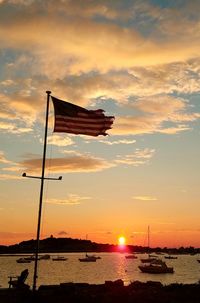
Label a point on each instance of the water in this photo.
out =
(111, 266)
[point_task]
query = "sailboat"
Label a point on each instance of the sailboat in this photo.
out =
(150, 258)
(89, 258)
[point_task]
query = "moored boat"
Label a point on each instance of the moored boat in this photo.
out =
(23, 260)
(171, 257)
(45, 257)
(131, 256)
(89, 258)
(156, 267)
(59, 258)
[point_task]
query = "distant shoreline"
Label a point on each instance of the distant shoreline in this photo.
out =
(69, 245)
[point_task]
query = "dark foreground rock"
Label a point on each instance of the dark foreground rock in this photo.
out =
(110, 292)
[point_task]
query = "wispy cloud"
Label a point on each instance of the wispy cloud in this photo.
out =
(155, 112)
(124, 141)
(59, 140)
(3, 158)
(71, 199)
(10, 177)
(145, 198)
(9, 127)
(139, 157)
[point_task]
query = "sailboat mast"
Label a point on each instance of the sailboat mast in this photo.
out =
(148, 237)
(41, 192)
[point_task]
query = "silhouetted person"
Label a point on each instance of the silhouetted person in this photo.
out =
(19, 282)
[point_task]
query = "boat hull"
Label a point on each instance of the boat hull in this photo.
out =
(87, 260)
(156, 270)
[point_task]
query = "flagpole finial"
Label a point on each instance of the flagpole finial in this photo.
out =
(48, 92)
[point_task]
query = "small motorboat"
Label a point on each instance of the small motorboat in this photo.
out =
(23, 260)
(59, 258)
(171, 257)
(131, 256)
(45, 257)
(89, 258)
(156, 267)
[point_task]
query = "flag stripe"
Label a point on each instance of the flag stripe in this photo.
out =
(82, 125)
(88, 120)
(80, 131)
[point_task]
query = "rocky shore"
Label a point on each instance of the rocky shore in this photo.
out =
(109, 292)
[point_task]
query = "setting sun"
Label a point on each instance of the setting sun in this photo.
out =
(121, 240)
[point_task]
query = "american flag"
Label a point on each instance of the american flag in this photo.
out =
(70, 118)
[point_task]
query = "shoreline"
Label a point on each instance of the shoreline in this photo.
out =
(109, 292)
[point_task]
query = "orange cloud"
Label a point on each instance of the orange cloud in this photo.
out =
(72, 199)
(145, 198)
(77, 37)
(62, 165)
(156, 111)
(9, 177)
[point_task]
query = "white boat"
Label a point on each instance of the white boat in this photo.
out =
(59, 258)
(156, 267)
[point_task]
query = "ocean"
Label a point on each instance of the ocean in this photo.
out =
(111, 266)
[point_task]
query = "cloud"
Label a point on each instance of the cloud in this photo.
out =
(125, 88)
(59, 140)
(9, 177)
(124, 141)
(139, 157)
(155, 112)
(162, 105)
(72, 199)
(145, 198)
(78, 162)
(14, 129)
(70, 38)
(127, 64)
(3, 159)
(82, 163)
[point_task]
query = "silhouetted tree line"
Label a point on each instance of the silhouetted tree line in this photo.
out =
(52, 244)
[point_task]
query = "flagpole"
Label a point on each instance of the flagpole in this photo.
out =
(41, 193)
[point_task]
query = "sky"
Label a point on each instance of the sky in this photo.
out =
(140, 62)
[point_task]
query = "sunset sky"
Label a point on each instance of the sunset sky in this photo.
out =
(137, 60)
